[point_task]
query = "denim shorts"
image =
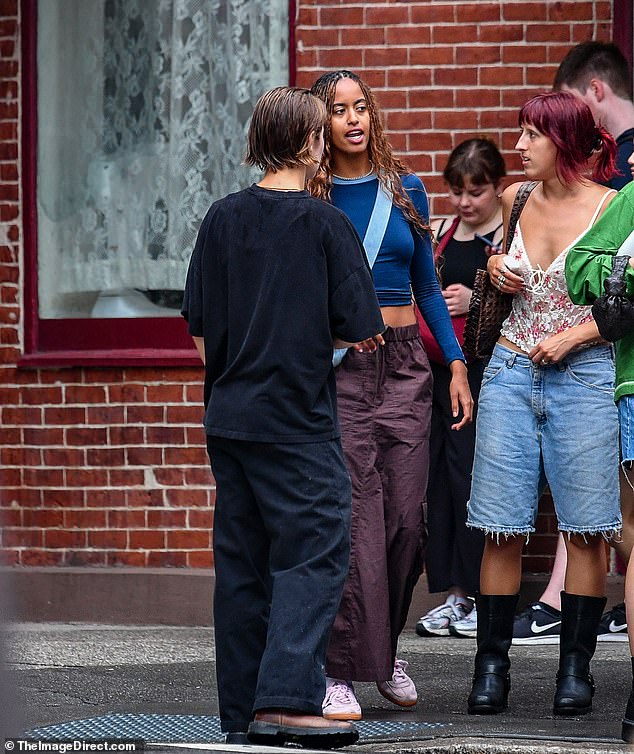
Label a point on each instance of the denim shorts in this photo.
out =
(626, 420)
(557, 421)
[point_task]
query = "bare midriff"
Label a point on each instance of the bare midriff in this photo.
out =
(398, 316)
(511, 346)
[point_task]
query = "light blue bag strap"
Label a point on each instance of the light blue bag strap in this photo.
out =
(375, 232)
(372, 240)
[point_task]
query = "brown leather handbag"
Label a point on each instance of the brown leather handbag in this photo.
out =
(489, 307)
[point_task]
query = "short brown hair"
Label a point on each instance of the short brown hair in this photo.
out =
(588, 60)
(282, 123)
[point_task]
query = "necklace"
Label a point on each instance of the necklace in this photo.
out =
(356, 177)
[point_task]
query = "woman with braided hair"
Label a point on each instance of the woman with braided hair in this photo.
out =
(383, 399)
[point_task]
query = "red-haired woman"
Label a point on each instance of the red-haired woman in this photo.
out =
(546, 410)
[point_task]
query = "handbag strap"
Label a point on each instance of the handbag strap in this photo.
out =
(521, 198)
(377, 225)
(445, 238)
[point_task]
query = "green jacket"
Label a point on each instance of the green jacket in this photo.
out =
(589, 263)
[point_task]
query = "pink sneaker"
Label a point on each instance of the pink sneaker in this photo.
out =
(400, 690)
(340, 703)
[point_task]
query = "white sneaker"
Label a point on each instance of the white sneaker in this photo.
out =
(467, 627)
(340, 703)
(438, 620)
(400, 690)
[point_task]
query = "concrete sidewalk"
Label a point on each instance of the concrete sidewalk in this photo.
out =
(157, 683)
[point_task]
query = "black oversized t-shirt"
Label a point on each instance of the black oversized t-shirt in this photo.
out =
(273, 278)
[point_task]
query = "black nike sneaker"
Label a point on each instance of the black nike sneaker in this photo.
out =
(613, 625)
(538, 623)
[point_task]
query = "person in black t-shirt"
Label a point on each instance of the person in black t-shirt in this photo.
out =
(275, 277)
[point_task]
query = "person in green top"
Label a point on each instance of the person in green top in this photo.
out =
(588, 264)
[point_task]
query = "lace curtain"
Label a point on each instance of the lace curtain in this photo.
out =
(142, 113)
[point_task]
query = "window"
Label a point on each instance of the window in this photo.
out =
(135, 123)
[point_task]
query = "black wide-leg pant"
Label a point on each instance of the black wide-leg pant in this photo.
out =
(281, 552)
(454, 551)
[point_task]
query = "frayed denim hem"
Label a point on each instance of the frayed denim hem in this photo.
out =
(609, 534)
(506, 532)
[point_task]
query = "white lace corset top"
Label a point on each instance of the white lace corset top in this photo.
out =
(543, 308)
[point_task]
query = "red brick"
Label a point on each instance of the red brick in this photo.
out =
(10, 517)
(146, 539)
(21, 416)
(105, 415)
(525, 11)
(188, 498)
(432, 56)
(126, 393)
(84, 558)
(570, 11)
(449, 120)
(477, 98)
(547, 33)
(39, 558)
(129, 435)
(168, 519)
(63, 496)
(354, 37)
(145, 414)
(454, 34)
(169, 477)
(501, 76)
(431, 98)
(145, 498)
(351, 57)
(65, 415)
(343, 17)
(325, 37)
(109, 540)
(22, 537)
(20, 457)
(105, 457)
(543, 75)
(43, 477)
(46, 518)
(183, 415)
(387, 56)
(194, 393)
(405, 77)
(40, 396)
(85, 518)
(524, 53)
(126, 477)
(8, 27)
(477, 12)
(87, 436)
(387, 15)
(200, 519)
(86, 478)
(56, 538)
(455, 77)
(166, 559)
(85, 394)
(188, 540)
(433, 13)
(135, 559)
(166, 435)
(431, 142)
(144, 456)
(501, 33)
(200, 559)
(408, 35)
(164, 393)
(126, 519)
(198, 477)
(478, 55)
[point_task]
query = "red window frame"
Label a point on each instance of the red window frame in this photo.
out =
(161, 341)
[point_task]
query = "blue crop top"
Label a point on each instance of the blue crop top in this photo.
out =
(405, 262)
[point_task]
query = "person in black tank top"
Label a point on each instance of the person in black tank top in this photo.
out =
(473, 174)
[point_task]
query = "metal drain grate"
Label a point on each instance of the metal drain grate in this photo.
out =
(190, 728)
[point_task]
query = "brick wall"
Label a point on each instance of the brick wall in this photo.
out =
(446, 71)
(107, 466)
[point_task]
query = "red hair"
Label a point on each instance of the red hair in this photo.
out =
(568, 122)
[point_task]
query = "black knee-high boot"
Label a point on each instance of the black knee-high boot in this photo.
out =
(580, 616)
(491, 679)
(627, 729)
